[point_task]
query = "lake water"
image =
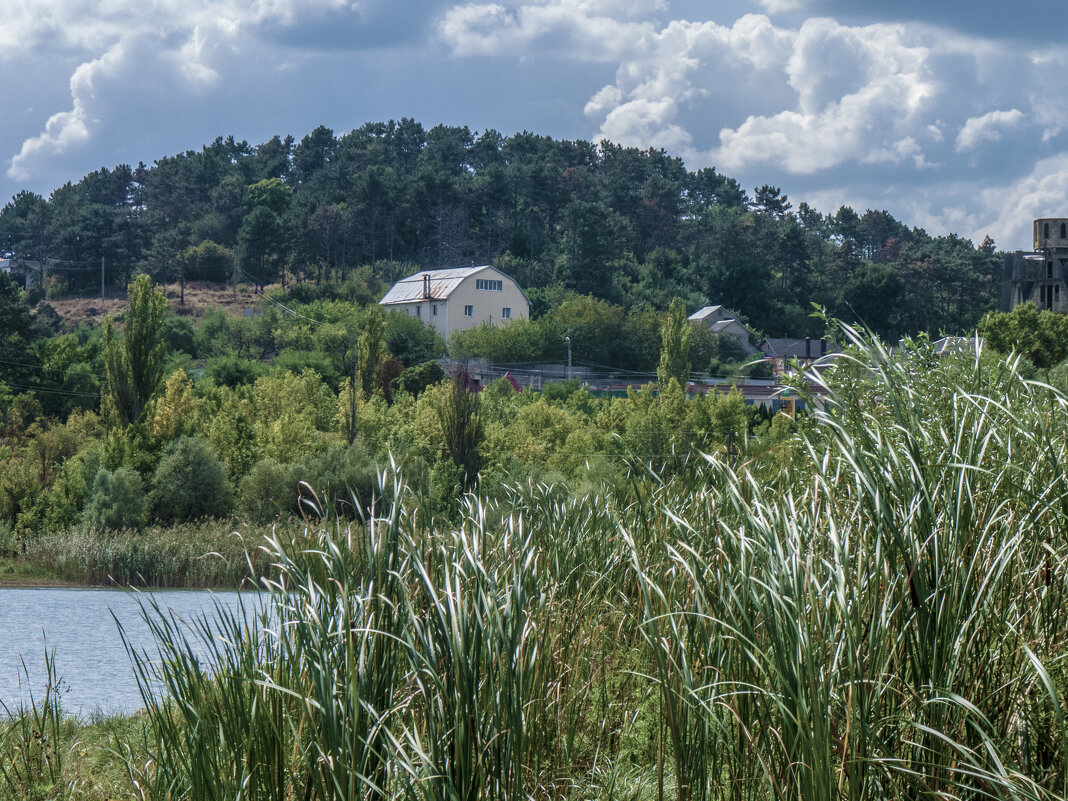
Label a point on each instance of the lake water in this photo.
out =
(89, 654)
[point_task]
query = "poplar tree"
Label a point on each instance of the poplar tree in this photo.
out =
(134, 357)
(674, 347)
(371, 349)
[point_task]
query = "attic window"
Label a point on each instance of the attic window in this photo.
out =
(488, 285)
(1064, 230)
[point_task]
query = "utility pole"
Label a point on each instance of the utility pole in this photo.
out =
(101, 283)
(568, 341)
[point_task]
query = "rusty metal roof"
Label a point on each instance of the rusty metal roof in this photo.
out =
(442, 283)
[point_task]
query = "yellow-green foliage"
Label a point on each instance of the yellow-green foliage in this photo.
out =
(174, 412)
(226, 420)
(292, 414)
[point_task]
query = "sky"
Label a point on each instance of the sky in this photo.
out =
(946, 114)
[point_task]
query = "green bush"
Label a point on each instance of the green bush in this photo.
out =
(179, 334)
(341, 475)
(415, 379)
(190, 482)
(117, 500)
(268, 491)
(297, 361)
(233, 371)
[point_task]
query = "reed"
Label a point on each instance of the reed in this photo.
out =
(32, 744)
(882, 617)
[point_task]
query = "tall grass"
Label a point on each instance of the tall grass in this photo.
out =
(202, 554)
(31, 744)
(883, 616)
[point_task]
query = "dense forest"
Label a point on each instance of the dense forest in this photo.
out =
(631, 227)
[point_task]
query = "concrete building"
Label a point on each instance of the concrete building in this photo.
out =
(1039, 275)
(457, 299)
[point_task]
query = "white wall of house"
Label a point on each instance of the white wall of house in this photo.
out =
(735, 329)
(472, 302)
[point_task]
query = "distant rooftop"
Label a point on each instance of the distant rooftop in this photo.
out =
(806, 348)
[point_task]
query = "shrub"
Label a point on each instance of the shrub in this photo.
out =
(415, 379)
(190, 482)
(339, 473)
(117, 500)
(233, 371)
(268, 491)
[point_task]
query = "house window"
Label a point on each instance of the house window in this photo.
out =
(506, 313)
(469, 311)
(1045, 231)
(434, 310)
(1064, 230)
(419, 312)
(487, 285)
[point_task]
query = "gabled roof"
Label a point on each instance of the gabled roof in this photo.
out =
(709, 311)
(776, 348)
(442, 284)
(720, 325)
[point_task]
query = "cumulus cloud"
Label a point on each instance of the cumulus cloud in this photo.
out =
(780, 6)
(862, 93)
(1007, 211)
(987, 128)
(176, 42)
(585, 30)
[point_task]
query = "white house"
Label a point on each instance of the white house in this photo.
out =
(456, 299)
(720, 321)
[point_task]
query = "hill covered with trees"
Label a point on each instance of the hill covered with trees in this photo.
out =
(631, 227)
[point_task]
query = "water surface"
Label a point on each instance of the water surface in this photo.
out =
(89, 654)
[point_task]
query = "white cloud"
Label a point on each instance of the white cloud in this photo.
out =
(586, 30)
(780, 6)
(69, 129)
(1007, 211)
(862, 95)
(989, 127)
(176, 42)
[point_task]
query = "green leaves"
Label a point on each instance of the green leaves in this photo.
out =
(134, 358)
(1040, 336)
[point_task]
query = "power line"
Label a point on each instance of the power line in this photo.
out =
(275, 302)
(52, 390)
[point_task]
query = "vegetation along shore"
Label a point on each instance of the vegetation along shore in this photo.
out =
(549, 591)
(870, 607)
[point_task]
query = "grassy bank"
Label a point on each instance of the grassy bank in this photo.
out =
(876, 610)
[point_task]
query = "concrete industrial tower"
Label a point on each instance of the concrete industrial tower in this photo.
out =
(1041, 275)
